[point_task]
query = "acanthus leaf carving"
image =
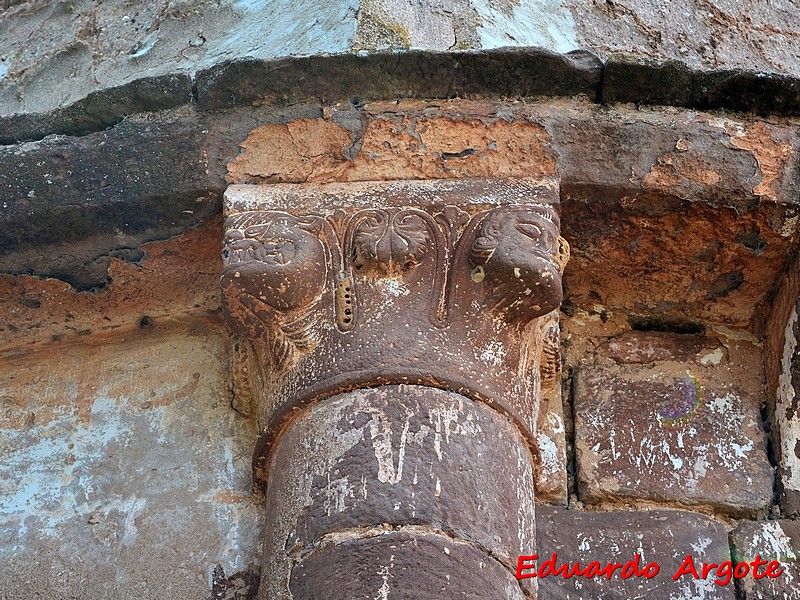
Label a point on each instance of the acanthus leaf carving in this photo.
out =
(389, 242)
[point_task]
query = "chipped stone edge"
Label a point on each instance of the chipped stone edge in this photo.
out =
(418, 74)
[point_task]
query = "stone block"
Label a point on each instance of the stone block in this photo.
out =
(644, 347)
(782, 369)
(413, 74)
(747, 91)
(644, 81)
(663, 537)
(101, 109)
(771, 540)
(69, 201)
(671, 434)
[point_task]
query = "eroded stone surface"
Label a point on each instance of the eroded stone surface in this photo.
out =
(660, 536)
(398, 456)
(48, 50)
(727, 184)
(649, 346)
(175, 276)
(551, 437)
(782, 367)
(70, 205)
(125, 472)
(672, 433)
(705, 34)
(771, 540)
(426, 566)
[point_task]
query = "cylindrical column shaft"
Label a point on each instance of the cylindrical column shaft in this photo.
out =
(399, 488)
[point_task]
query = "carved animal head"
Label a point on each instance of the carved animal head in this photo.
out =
(519, 256)
(273, 259)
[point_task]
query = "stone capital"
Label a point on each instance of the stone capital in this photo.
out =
(441, 283)
(392, 339)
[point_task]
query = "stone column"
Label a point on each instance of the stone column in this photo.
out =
(391, 339)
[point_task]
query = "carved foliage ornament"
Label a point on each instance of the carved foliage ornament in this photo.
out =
(438, 283)
(277, 266)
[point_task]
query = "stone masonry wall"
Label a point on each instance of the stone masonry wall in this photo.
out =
(126, 462)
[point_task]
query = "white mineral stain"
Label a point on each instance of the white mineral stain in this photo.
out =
(722, 405)
(549, 453)
(712, 358)
(393, 287)
(385, 573)
(442, 419)
(789, 428)
(779, 544)
(701, 545)
(494, 353)
(381, 434)
(336, 492)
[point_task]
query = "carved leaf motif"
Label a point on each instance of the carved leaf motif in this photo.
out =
(389, 243)
(452, 221)
(288, 332)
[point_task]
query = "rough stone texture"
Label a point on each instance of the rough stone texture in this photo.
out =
(52, 55)
(643, 81)
(427, 567)
(760, 93)
(125, 472)
(551, 438)
(782, 368)
(179, 36)
(705, 34)
(391, 457)
(100, 110)
(530, 72)
(684, 434)
(728, 181)
(772, 540)
(396, 142)
(660, 536)
(693, 263)
(174, 277)
(644, 347)
(340, 287)
(642, 197)
(71, 205)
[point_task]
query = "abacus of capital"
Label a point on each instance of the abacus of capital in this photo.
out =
(392, 339)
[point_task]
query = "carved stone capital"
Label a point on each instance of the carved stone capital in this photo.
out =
(336, 287)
